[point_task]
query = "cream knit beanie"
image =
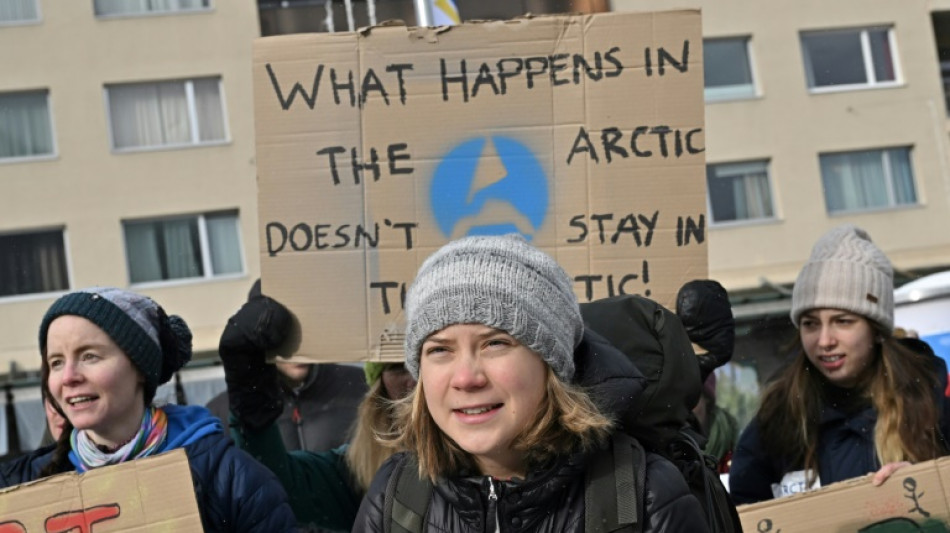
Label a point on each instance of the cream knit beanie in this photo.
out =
(846, 271)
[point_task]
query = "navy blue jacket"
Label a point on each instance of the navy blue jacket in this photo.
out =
(845, 449)
(234, 492)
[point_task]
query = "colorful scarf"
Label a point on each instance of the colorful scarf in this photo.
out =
(149, 438)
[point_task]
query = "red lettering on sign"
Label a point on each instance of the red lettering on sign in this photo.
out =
(81, 520)
(13, 526)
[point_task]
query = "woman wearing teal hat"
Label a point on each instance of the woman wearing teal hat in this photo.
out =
(104, 352)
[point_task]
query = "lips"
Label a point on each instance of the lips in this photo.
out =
(477, 413)
(831, 362)
(75, 401)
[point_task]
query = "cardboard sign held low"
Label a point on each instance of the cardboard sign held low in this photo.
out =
(915, 498)
(146, 495)
(584, 133)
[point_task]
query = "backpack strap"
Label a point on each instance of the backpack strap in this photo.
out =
(614, 488)
(407, 498)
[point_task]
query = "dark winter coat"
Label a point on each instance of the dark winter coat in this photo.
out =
(234, 492)
(317, 415)
(551, 499)
(845, 451)
(845, 445)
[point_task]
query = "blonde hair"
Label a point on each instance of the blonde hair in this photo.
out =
(365, 453)
(567, 421)
(899, 383)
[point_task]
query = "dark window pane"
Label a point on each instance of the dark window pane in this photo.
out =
(726, 62)
(881, 55)
(32, 263)
(835, 58)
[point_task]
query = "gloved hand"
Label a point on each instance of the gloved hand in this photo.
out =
(703, 307)
(253, 387)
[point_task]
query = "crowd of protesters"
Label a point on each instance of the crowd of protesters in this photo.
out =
(490, 415)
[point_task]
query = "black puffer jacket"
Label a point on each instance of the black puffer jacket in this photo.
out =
(551, 499)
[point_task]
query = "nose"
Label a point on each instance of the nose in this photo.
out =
(468, 373)
(826, 337)
(71, 373)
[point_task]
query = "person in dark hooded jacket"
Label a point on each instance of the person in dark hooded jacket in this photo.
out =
(104, 353)
(496, 422)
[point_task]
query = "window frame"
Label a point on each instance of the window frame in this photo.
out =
(866, 57)
(174, 12)
(203, 244)
(730, 93)
(885, 152)
(192, 116)
(25, 22)
(54, 153)
(744, 221)
(11, 298)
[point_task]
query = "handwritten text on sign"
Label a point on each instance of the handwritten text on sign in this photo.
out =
(582, 133)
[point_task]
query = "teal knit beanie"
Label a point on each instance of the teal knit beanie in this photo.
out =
(158, 344)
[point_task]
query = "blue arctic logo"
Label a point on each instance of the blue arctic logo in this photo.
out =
(489, 186)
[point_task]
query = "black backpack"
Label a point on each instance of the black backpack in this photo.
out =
(656, 341)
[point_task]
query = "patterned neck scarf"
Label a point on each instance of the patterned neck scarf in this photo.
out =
(149, 438)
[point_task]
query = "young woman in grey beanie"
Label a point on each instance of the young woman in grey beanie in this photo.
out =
(498, 427)
(105, 352)
(853, 401)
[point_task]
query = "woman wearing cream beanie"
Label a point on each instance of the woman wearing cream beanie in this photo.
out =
(853, 400)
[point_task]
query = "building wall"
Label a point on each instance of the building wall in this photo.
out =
(89, 189)
(791, 126)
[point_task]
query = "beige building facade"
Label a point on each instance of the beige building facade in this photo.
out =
(818, 113)
(133, 162)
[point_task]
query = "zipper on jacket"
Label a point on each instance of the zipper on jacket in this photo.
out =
(493, 503)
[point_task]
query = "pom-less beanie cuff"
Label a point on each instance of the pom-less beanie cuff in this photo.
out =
(503, 283)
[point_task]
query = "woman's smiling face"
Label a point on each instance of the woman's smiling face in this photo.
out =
(483, 388)
(93, 381)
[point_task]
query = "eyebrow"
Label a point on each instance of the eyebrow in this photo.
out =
(490, 332)
(80, 348)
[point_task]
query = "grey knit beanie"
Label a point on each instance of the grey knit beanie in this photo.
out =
(501, 282)
(158, 344)
(846, 271)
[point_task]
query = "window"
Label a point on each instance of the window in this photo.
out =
(33, 262)
(739, 191)
(166, 114)
(25, 126)
(850, 58)
(198, 246)
(18, 11)
(142, 7)
(727, 70)
(868, 179)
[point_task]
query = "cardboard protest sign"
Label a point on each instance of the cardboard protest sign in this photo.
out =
(583, 133)
(146, 495)
(915, 498)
